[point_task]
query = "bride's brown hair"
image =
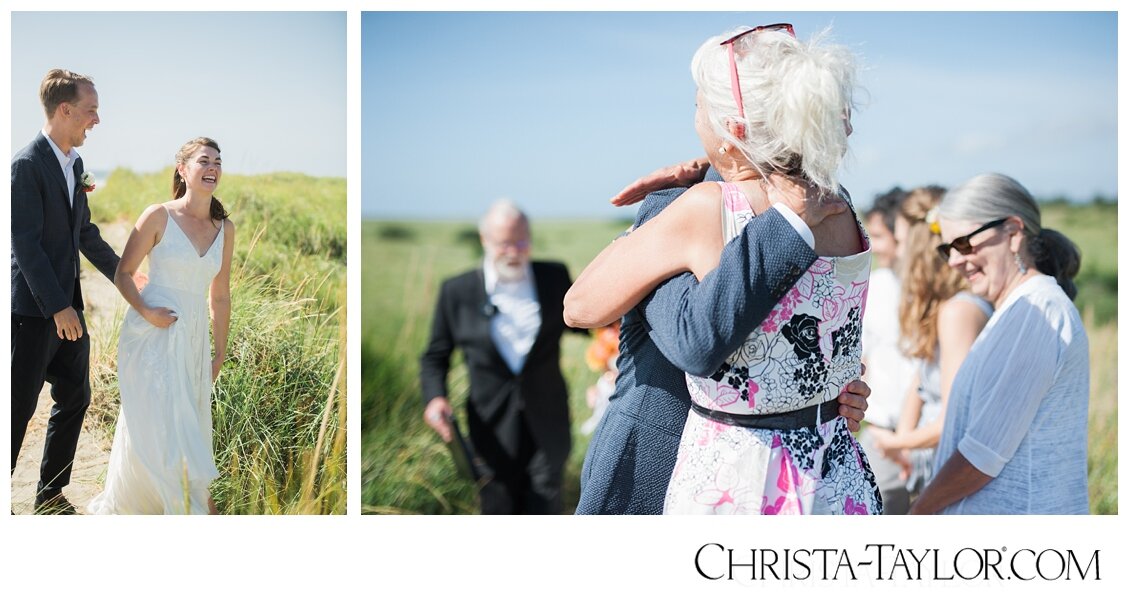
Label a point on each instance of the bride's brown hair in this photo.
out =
(179, 187)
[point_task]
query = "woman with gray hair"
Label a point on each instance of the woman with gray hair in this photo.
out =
(763, 436)
(1014, 440)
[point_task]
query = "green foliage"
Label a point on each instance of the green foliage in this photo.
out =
(394, 232)
(273, 399)
(1103, 416)
(291, 227)
(279, 404)
(1093, 228)
(470, 238)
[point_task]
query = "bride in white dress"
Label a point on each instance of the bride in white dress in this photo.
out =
(161, 459)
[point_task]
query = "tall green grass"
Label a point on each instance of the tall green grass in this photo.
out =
(279, 405)
(1103, 416)
(407, 469)
(1093, 229)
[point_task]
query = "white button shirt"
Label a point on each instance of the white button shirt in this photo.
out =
(66, 162)
(517, 315)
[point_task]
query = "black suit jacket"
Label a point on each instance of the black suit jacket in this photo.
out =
(47, 234)
(497, 396)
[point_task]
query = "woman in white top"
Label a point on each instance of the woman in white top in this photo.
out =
(1014, 440)
(888, 371)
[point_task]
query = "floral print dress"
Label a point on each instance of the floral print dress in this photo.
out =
(803, 354)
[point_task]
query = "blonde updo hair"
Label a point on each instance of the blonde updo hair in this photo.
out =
(988, 197)
(179, 188)
(797, 97)
(927, 281)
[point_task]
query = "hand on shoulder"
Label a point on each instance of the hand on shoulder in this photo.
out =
(679, 175)
(812, 205)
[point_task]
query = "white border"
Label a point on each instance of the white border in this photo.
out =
(428, 558)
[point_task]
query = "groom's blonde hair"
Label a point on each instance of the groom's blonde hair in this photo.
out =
(60, 86)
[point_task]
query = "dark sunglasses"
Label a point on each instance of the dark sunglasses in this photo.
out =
(733, 82)
(962, 244)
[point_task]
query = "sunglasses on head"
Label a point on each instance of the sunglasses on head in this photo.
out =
(733, 81)
(963, 244)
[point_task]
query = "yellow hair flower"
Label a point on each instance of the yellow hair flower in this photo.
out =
(931, 220)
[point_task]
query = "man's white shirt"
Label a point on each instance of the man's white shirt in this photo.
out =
(517, 317)
(66, 162)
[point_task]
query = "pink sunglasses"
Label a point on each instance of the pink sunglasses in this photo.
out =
(733, 81)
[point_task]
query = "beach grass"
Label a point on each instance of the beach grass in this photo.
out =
(278, 407)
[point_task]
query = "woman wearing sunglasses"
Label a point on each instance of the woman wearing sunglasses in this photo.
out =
(1014, 440)
(763, 435)
(938, 320)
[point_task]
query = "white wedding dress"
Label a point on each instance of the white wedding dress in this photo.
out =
(161, 460)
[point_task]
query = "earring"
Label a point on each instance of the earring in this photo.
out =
(1021, 264)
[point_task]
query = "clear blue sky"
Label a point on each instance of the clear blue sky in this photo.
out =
(270, 87)
(559, 110)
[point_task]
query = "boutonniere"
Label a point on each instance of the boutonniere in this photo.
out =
(87, 182)
(931, 220)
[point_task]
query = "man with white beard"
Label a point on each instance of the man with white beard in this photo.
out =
(507, 317)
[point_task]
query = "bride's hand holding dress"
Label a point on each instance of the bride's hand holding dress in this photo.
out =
(129, 280)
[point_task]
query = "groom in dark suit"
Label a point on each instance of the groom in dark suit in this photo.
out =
(50, 226)
(507, 317)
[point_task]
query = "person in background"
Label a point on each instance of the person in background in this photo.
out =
(1015, 434)
(938, 320)
(506, 316)
(888, 371)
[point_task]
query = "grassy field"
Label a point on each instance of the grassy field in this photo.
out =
(407, 469)
(279, 404)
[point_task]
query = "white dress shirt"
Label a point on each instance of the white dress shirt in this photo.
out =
(66, 162)
(802, 229)
(517, 315)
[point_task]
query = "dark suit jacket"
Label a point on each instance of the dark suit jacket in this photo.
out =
(498, 398)
(683, 326)
(47, 235)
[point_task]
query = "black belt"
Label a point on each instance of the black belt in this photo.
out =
(788, 420)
